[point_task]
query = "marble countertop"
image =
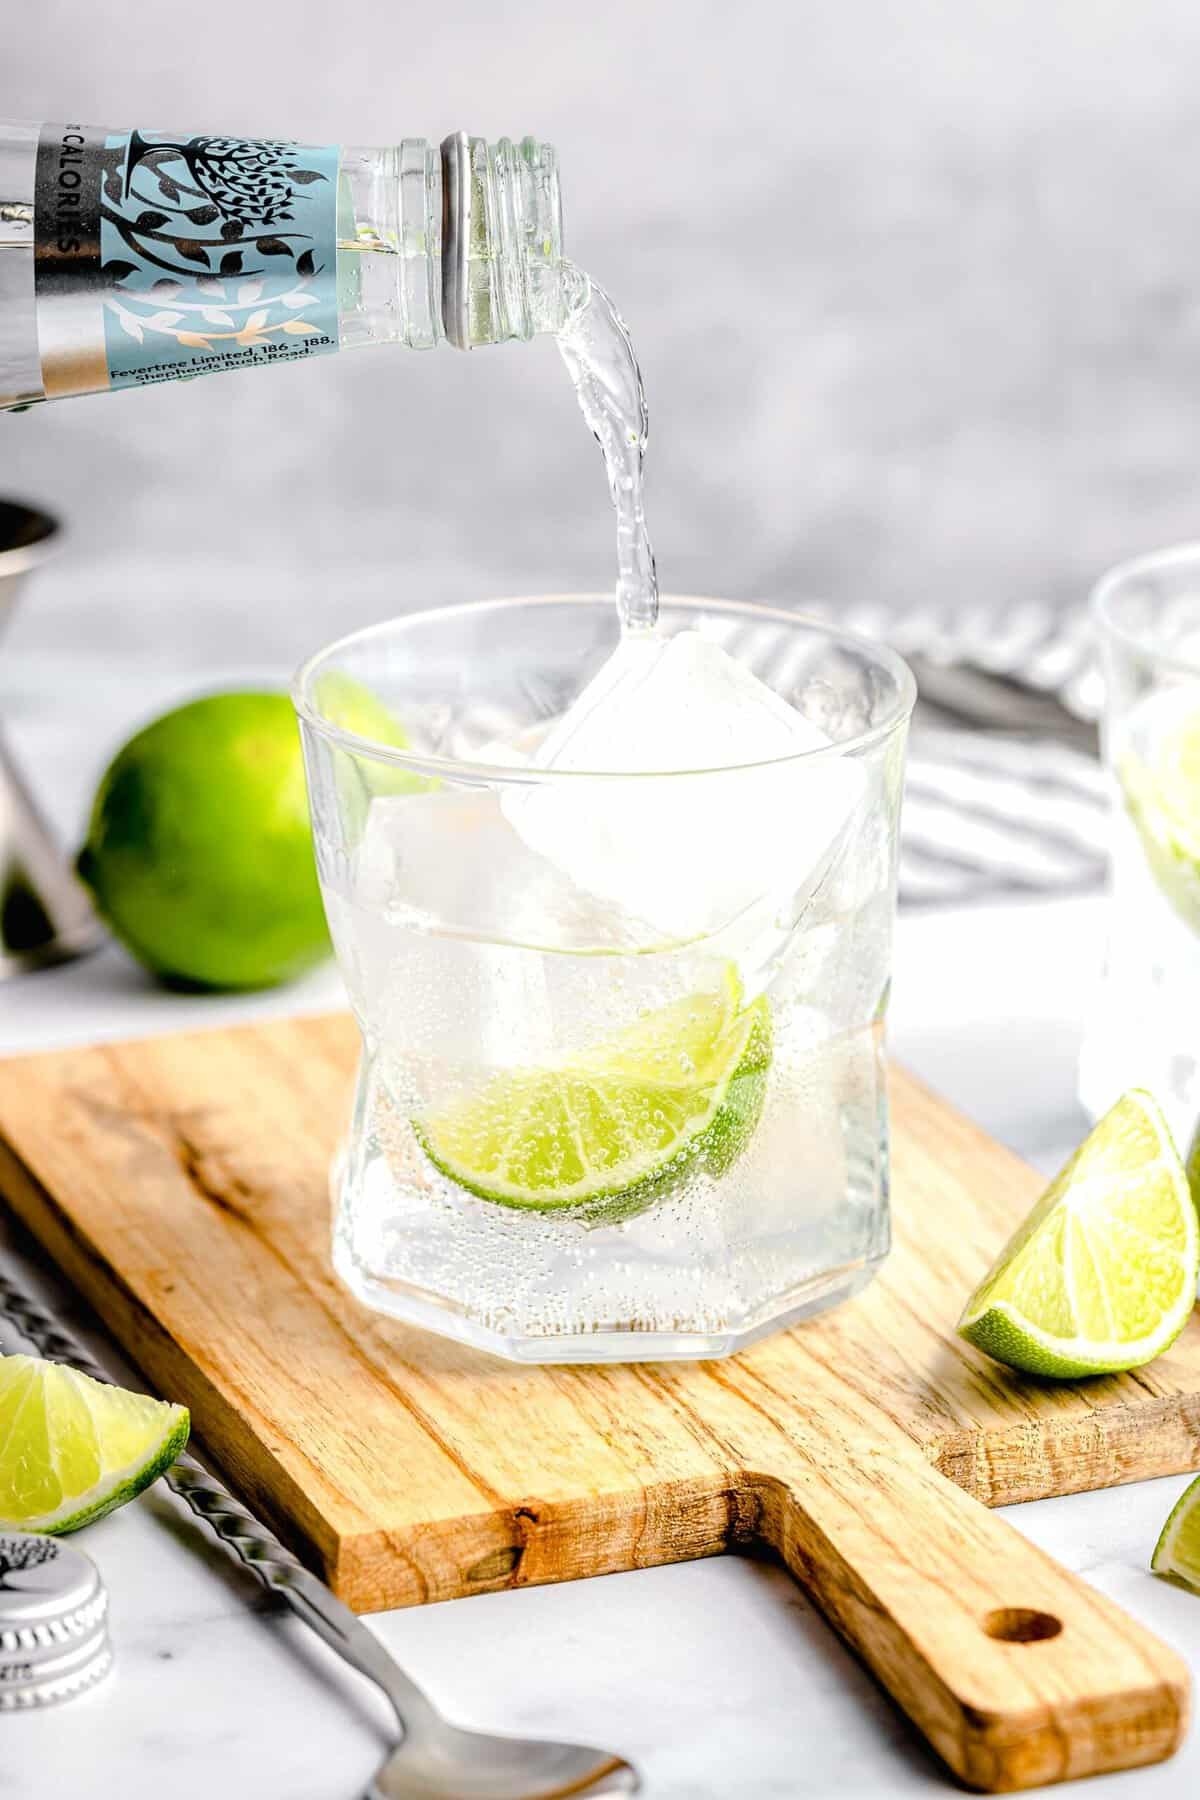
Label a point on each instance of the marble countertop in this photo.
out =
(717, 1678)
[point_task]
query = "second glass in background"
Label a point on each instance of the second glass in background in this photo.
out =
(1144, 1026)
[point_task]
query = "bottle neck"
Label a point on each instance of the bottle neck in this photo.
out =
(389, 245)
(463, 244)
(502, 254)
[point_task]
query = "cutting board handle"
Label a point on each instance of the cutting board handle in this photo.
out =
(1016, 1671)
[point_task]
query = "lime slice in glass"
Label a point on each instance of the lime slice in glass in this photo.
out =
(71, 1449)
(1102, 1275)
(620, 1125)
(351, 704)
(1162, 796)
(1177, 1552)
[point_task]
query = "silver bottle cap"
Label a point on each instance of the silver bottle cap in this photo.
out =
(53, 1621)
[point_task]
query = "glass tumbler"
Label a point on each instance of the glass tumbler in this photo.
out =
(621, 1093)
(1142, 1030)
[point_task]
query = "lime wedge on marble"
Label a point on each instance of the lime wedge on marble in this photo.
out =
(72, 1449)
(1177, 1552)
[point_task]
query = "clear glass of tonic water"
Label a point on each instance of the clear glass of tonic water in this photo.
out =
(1143, 1029)
(622, 1089)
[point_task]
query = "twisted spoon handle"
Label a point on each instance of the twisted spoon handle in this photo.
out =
(252, 1542)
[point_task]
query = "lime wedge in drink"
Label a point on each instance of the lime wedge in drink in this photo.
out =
(1177, 1551)
(618, 1126)
(71, 1449)
(351, 704)
(1162, 795)
(1102, 1275)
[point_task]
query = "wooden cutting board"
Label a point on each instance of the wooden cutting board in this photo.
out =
(181, 1183)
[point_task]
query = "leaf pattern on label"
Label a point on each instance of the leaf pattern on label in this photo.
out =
(212, 245)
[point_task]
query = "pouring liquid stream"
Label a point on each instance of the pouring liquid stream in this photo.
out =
(595, 345)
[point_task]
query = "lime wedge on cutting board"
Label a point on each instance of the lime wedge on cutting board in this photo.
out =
(619, 1124)
(72, 1449)
(1102, 1275)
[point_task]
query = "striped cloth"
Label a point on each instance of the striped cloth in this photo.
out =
(984, 812)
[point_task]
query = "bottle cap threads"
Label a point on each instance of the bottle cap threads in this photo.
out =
(54, 1639)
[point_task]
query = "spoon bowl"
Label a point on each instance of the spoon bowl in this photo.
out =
(448, 1763)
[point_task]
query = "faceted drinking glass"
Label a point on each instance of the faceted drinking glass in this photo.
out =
(1142, 1030)
(622, 1083)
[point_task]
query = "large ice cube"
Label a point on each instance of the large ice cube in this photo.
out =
(693, 854)
(443, 930)
(449, 861)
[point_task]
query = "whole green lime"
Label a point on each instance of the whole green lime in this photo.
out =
(199, 851)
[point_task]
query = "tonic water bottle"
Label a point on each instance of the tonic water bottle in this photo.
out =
(132, 257)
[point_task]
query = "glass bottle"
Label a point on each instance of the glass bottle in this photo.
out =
(129, 258)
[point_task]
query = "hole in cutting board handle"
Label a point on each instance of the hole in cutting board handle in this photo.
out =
(1021, 1625)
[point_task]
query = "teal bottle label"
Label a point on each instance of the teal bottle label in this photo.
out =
(160, 257)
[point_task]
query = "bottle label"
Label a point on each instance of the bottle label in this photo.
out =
(160, 257)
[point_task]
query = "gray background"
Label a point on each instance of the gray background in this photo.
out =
(916, 289)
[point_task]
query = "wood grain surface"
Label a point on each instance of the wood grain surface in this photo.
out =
(181, 1183)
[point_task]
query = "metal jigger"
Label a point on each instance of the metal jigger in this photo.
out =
(45, 916)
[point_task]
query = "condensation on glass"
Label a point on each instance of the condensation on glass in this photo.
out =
(510, 935)
(1141, 1025)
